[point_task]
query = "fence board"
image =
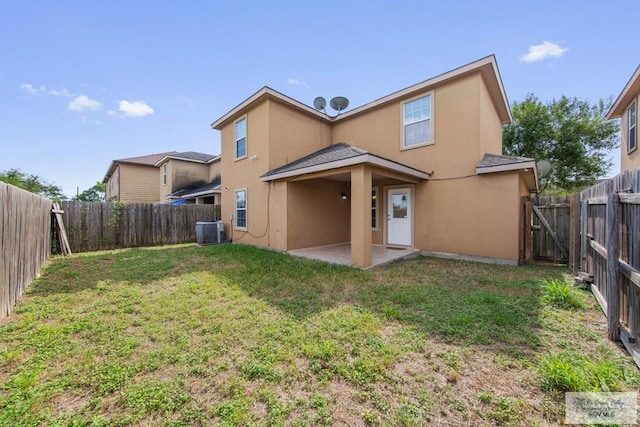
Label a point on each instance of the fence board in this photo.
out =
(551, 228)
(613, 254)
(93, 226)
(25, 242)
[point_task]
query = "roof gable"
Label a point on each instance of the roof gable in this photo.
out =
(486, 66)
(188, 156)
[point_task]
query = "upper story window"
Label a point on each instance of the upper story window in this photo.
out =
(241, 138)
(164, 174)
(631, 135)
(241, 209)
(416, 122)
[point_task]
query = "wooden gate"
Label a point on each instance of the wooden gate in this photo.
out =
(551, 228)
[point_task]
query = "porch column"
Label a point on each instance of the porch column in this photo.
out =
(361, 216)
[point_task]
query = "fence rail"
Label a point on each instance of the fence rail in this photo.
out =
(25, 242)
(610, 253)
(93, 226)
(551, 228)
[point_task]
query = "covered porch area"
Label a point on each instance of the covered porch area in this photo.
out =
(336, 204)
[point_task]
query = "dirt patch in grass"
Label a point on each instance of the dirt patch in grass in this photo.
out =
(233, 335)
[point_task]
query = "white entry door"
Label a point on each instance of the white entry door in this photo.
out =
(399, 216)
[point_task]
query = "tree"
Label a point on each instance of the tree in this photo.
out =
(93, 194)
(32, 183)
(573, 135)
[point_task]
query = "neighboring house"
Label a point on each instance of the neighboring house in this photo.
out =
(419, 168)
(134, 179)
(626, 109)
(189, 177)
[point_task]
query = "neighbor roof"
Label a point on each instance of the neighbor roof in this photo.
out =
(626, 96)
(203, 190)
(486, 66)
(148, 160)
(492, 163)
(189, 156)
(336, 156)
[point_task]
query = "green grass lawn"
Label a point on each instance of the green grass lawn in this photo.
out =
(227, 335)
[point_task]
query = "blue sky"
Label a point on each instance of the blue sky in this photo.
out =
(86, 82)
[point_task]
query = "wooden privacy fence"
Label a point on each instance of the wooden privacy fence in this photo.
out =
(25, 242)
(609, 249)
(93, 226)
(551, 228)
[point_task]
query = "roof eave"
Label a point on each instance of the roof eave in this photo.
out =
(629, 92)
(513, 167)
(261, 95)
(350, 161)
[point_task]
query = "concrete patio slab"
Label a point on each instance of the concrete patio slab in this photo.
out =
(341, 254)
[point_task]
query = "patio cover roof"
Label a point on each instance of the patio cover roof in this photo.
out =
(338, 156)
(492, 163)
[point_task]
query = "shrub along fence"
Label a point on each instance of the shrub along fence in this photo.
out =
(609, 221)
(93, 226)
(25, 241)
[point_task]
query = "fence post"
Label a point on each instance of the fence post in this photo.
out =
(613, 268)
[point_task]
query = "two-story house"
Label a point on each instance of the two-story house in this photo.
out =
(420, 168)
(134, 179)
(189, 177)
(626, 109)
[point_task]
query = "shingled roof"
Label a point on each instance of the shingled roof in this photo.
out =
(337, 155)
(148, 160)
(189, 156)
(492, 160)
(203, 190)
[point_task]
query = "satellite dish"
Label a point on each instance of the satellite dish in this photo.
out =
(319, 103)
(544, 167)
(339, 103)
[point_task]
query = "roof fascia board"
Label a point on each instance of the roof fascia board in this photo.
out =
(351, 161)
(618, 107)
(184, 159)
(506, 168)
(266, 92)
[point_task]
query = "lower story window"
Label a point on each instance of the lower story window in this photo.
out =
(241, 209)
(374, 208)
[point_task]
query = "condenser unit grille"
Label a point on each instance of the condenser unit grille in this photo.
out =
(209, 233)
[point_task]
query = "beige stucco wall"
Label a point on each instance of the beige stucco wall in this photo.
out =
(629, 160)
(113, 185)
(476, 216)
(182, 174)
(456, 212)
(139, 184)
(319, 216)
(215, 170)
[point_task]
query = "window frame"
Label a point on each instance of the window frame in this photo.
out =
(235, 209)
(236, 139)
(632, 130)
(403, 125)
(375, 200)
(164, 174)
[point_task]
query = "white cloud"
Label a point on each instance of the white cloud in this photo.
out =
(84, 103)
(31, 88)
(133, 109)
(62, 92)
(296, 82)
(546, 49)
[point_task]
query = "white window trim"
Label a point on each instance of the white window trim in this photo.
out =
(633, 105)
(246, 138)
(376, 191)
(431, 121)
(235, 208)
(164, 174)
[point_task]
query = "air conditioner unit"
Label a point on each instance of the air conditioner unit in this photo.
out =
(209, 233)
